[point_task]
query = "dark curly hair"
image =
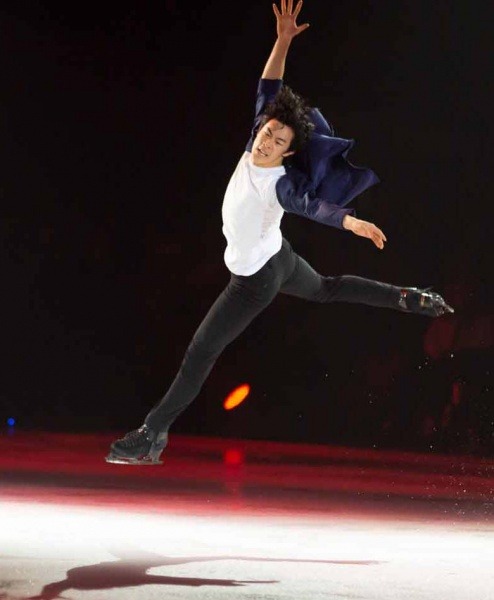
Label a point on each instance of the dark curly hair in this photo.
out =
(291, 109)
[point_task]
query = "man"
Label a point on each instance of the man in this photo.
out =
(292, 163)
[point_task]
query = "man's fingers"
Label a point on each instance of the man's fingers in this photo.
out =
(378, 231)
(378, 234)
(378, 237)
(301, 28)
(372, 232)
(378, 242)
(298, 8)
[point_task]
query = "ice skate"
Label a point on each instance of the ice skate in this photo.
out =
(423, 302)
(142, 446)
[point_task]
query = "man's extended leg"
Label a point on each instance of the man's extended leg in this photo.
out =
(304, 282)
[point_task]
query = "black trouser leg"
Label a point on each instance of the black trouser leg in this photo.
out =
(239, 303)
(306, 283)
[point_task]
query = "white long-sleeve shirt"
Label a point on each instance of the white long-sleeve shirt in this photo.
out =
(251, 216)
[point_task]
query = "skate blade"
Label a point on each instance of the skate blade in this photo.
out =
(120, 460)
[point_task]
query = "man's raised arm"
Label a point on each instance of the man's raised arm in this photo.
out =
(286, 29)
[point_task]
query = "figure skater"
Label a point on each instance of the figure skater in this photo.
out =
(294, 163)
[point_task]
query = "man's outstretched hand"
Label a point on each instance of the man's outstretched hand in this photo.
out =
(365, 229)
(286, 19)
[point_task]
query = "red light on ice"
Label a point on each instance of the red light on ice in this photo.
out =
(236, 397)
(233, 457)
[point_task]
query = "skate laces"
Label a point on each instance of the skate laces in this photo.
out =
(135, 438)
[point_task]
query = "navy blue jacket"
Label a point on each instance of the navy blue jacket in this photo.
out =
(320, 181)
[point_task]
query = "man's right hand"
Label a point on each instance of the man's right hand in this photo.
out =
(286, 19)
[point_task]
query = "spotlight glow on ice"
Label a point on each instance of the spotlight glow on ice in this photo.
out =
(131, 554)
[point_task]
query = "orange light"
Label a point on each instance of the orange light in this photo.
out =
(236, 397)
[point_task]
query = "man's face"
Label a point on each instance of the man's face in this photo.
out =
(271, 144)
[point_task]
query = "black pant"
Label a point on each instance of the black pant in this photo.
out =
(241, 301)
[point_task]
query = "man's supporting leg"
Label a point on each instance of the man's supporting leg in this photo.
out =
(239, 303)
(231, 313)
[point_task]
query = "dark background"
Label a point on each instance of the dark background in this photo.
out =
(120, 126)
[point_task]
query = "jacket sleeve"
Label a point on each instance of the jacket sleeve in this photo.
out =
(307, 205)
(266, 91)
